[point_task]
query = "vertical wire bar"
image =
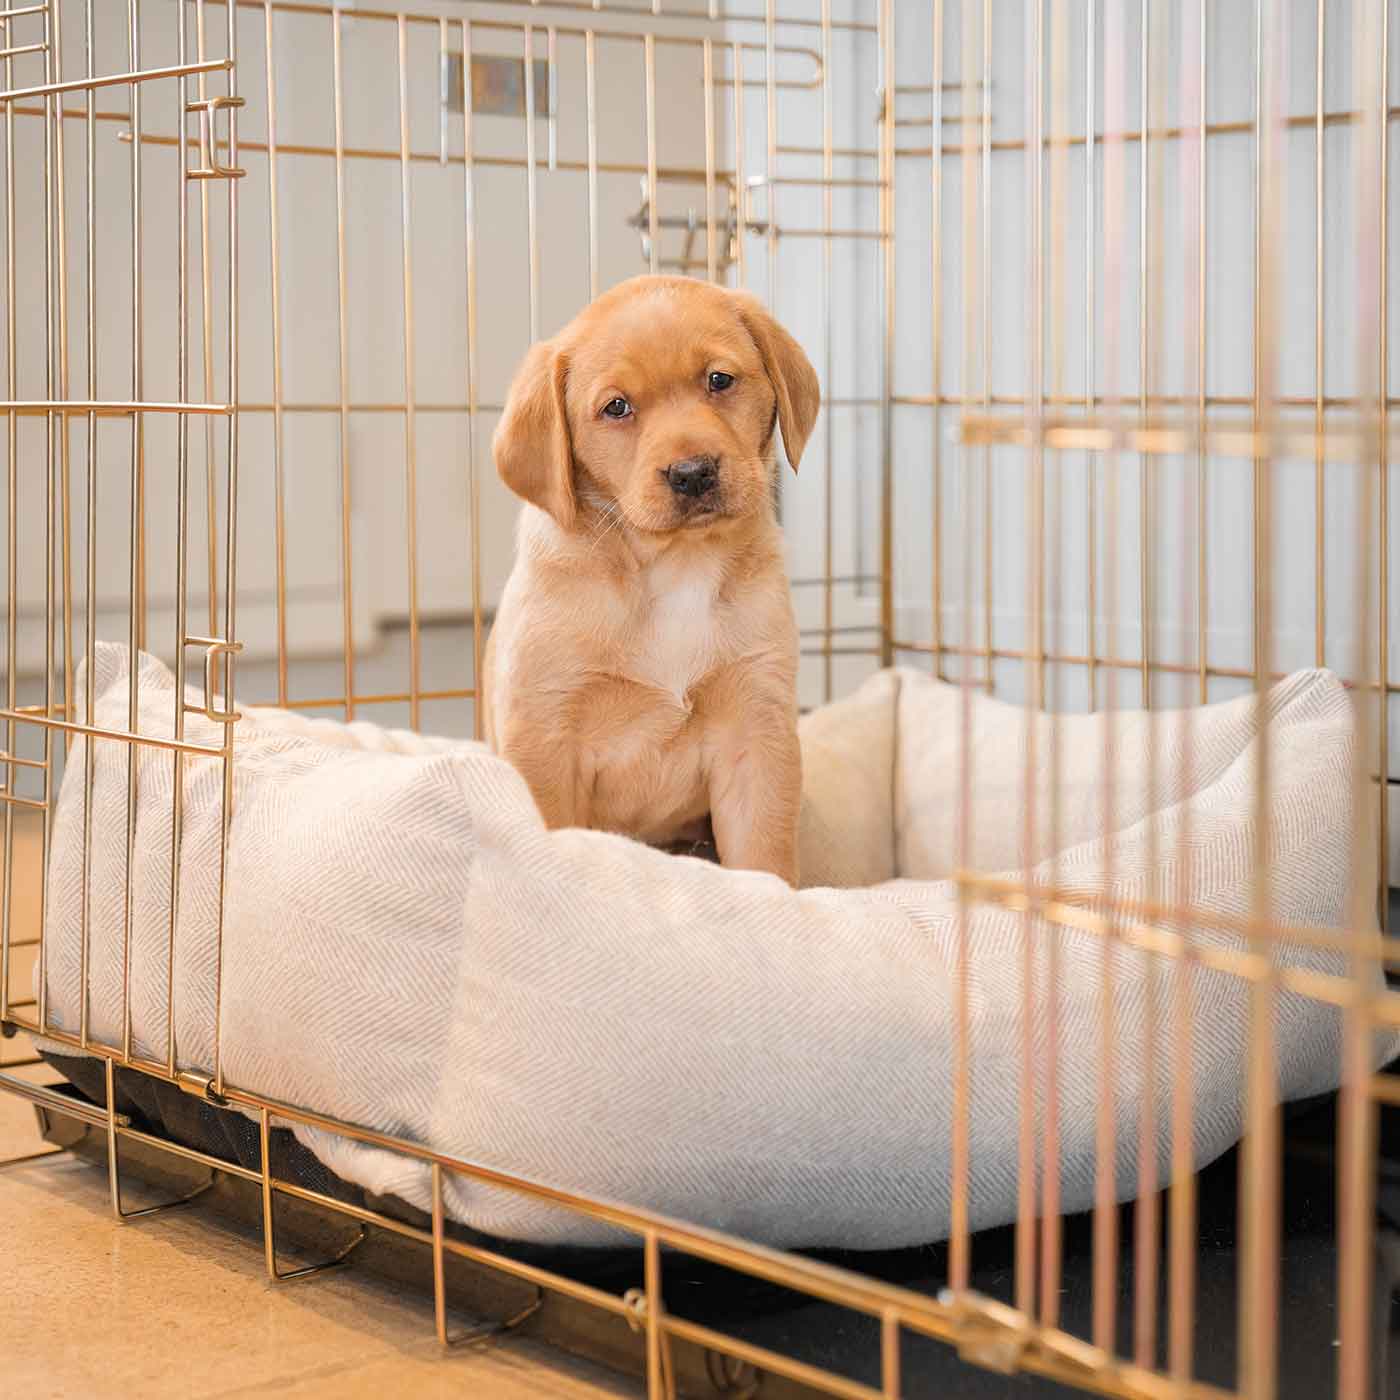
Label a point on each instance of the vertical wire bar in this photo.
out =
(590, 70)
(1147, 1228)
(274, 249)
(50, 429)
(1091, 488)
(770, 116)
(1105, 1242)
(409, 425)
(711, 234)
(12, 536)
(473, 476)
(90, 582)
(651, 1269)
(1202, 559)
(552, 88)
(1050, 1228)
(1260, 1152)
(936, 347)
(347, 578)
(207, 326)
(137, 524)
(1356, 1124)
(1026, 1193)
(1319, 350)
(64, 423)
(264, 1159)
(230, 548)
(986, 291)
(829, 358)
(889, 1347)
(177, 810)
(959, 1224)
(653, 194)
(1181, 1266)
(1383, 481)
(531, 198)
(1144, 460)
(741, 187)
(887, 268)
(439, 1270)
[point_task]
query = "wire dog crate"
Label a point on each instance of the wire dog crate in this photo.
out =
(1099, 297)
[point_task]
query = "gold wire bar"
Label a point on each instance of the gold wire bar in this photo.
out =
(651, 1273)
(400, 697)
(207, 344)
(1202, 586)
(469, 214)
(1181, 1206)
(828, 360)
(1383, 449)
(1356, 1120)
(889, 1355)
(1260, 1149)
(1319, 346)
(23, 49)
(7, 15)
(1105, 1215)
(936, 346)
(111, 408)
(959, 1224)
(551, 49)
(887, 273)
(415, 641)
(90, 583)
(49, 539)
(182, 544)
(132, 80)
(1103, 433)
(770, 121)
(1146, 1207)
(741, 188)
(1034, 672)
(347, 585)
(708, 81)
(587, 6)
(1385, 1088)
(11, 536)
(531, 165)
(653, 193)
(279, 522)
(134, 638)
(227, 647)
(986, 295)
(590, 66)
(439, 1272)
(1050, 1227)
(55, 31)
(36, 804)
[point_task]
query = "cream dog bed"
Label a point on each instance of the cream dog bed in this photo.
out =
(407, 947)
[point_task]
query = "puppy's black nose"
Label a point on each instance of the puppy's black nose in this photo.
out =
(695, 477)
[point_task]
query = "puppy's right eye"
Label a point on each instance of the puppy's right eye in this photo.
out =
(617, 408)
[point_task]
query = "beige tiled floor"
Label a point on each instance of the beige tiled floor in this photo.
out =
(179, 1305)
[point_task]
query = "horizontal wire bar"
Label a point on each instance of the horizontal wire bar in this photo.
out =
(1240, 401)
(144, 75)
(10, 758)
(1170, 133)
(48, 721)
(106, 407)
(60, 1103)
(1099, 435)
(23, 10)
(1386, 1088)
(23, 48)
(36, 804)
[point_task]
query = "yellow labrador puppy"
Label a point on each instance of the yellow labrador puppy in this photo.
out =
(641, 673)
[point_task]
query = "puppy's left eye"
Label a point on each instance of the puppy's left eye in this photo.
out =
(719, 381)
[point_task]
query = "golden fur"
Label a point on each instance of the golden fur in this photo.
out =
(641, 673)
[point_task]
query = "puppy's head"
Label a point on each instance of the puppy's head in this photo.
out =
(658, 403)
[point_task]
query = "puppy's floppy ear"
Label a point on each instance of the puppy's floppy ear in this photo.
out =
(790, 372)
(533, 451)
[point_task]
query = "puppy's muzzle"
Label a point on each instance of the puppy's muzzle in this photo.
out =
(693, 478)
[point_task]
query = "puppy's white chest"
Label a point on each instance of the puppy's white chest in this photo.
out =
(679, 634)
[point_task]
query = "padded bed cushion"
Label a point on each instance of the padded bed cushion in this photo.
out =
(405, 946)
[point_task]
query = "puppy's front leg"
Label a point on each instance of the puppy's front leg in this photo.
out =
(756, 792)
(550, 769)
